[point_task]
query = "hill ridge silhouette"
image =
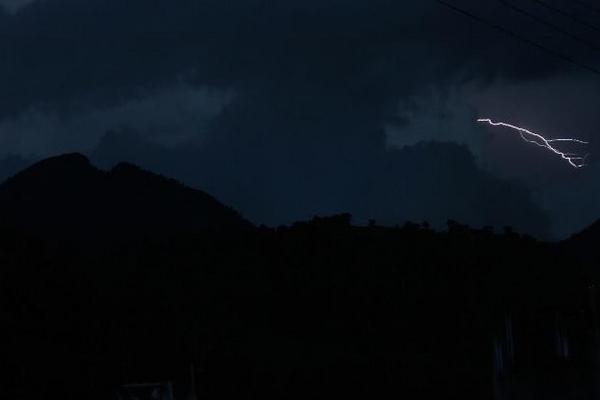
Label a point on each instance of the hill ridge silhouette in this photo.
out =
(68, 195)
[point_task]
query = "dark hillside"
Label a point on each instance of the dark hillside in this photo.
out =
(320, 309)
(66, 195)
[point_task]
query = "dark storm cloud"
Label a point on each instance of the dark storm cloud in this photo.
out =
(13, 6)
(63, 52)
(170, 116)
(316, 83)
(67, 56)
(279, 184)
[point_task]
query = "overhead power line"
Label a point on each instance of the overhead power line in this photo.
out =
(587, 5)
(568, 15)
(519, 37)
(550, 25)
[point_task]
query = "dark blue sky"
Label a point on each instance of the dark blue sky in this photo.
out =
(292, 108)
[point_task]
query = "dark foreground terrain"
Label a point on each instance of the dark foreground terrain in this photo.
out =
(99, 293)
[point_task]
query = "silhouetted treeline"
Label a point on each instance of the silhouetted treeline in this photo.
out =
(319, 309)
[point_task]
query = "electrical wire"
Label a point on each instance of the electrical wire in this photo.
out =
(519, 37)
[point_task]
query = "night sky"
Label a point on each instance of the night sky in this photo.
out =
(289, 109)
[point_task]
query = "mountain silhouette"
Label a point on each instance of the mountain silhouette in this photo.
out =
(320, 306)
(68, 195)
(589, 235)
(12, 164)
(583, 246)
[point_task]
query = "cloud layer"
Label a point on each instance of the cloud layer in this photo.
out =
(294, 107)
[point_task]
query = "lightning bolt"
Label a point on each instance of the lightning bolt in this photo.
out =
(574, 159)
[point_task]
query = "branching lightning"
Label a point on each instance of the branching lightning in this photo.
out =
(574, 159)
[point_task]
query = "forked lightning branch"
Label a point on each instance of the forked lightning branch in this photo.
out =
(574, 159)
